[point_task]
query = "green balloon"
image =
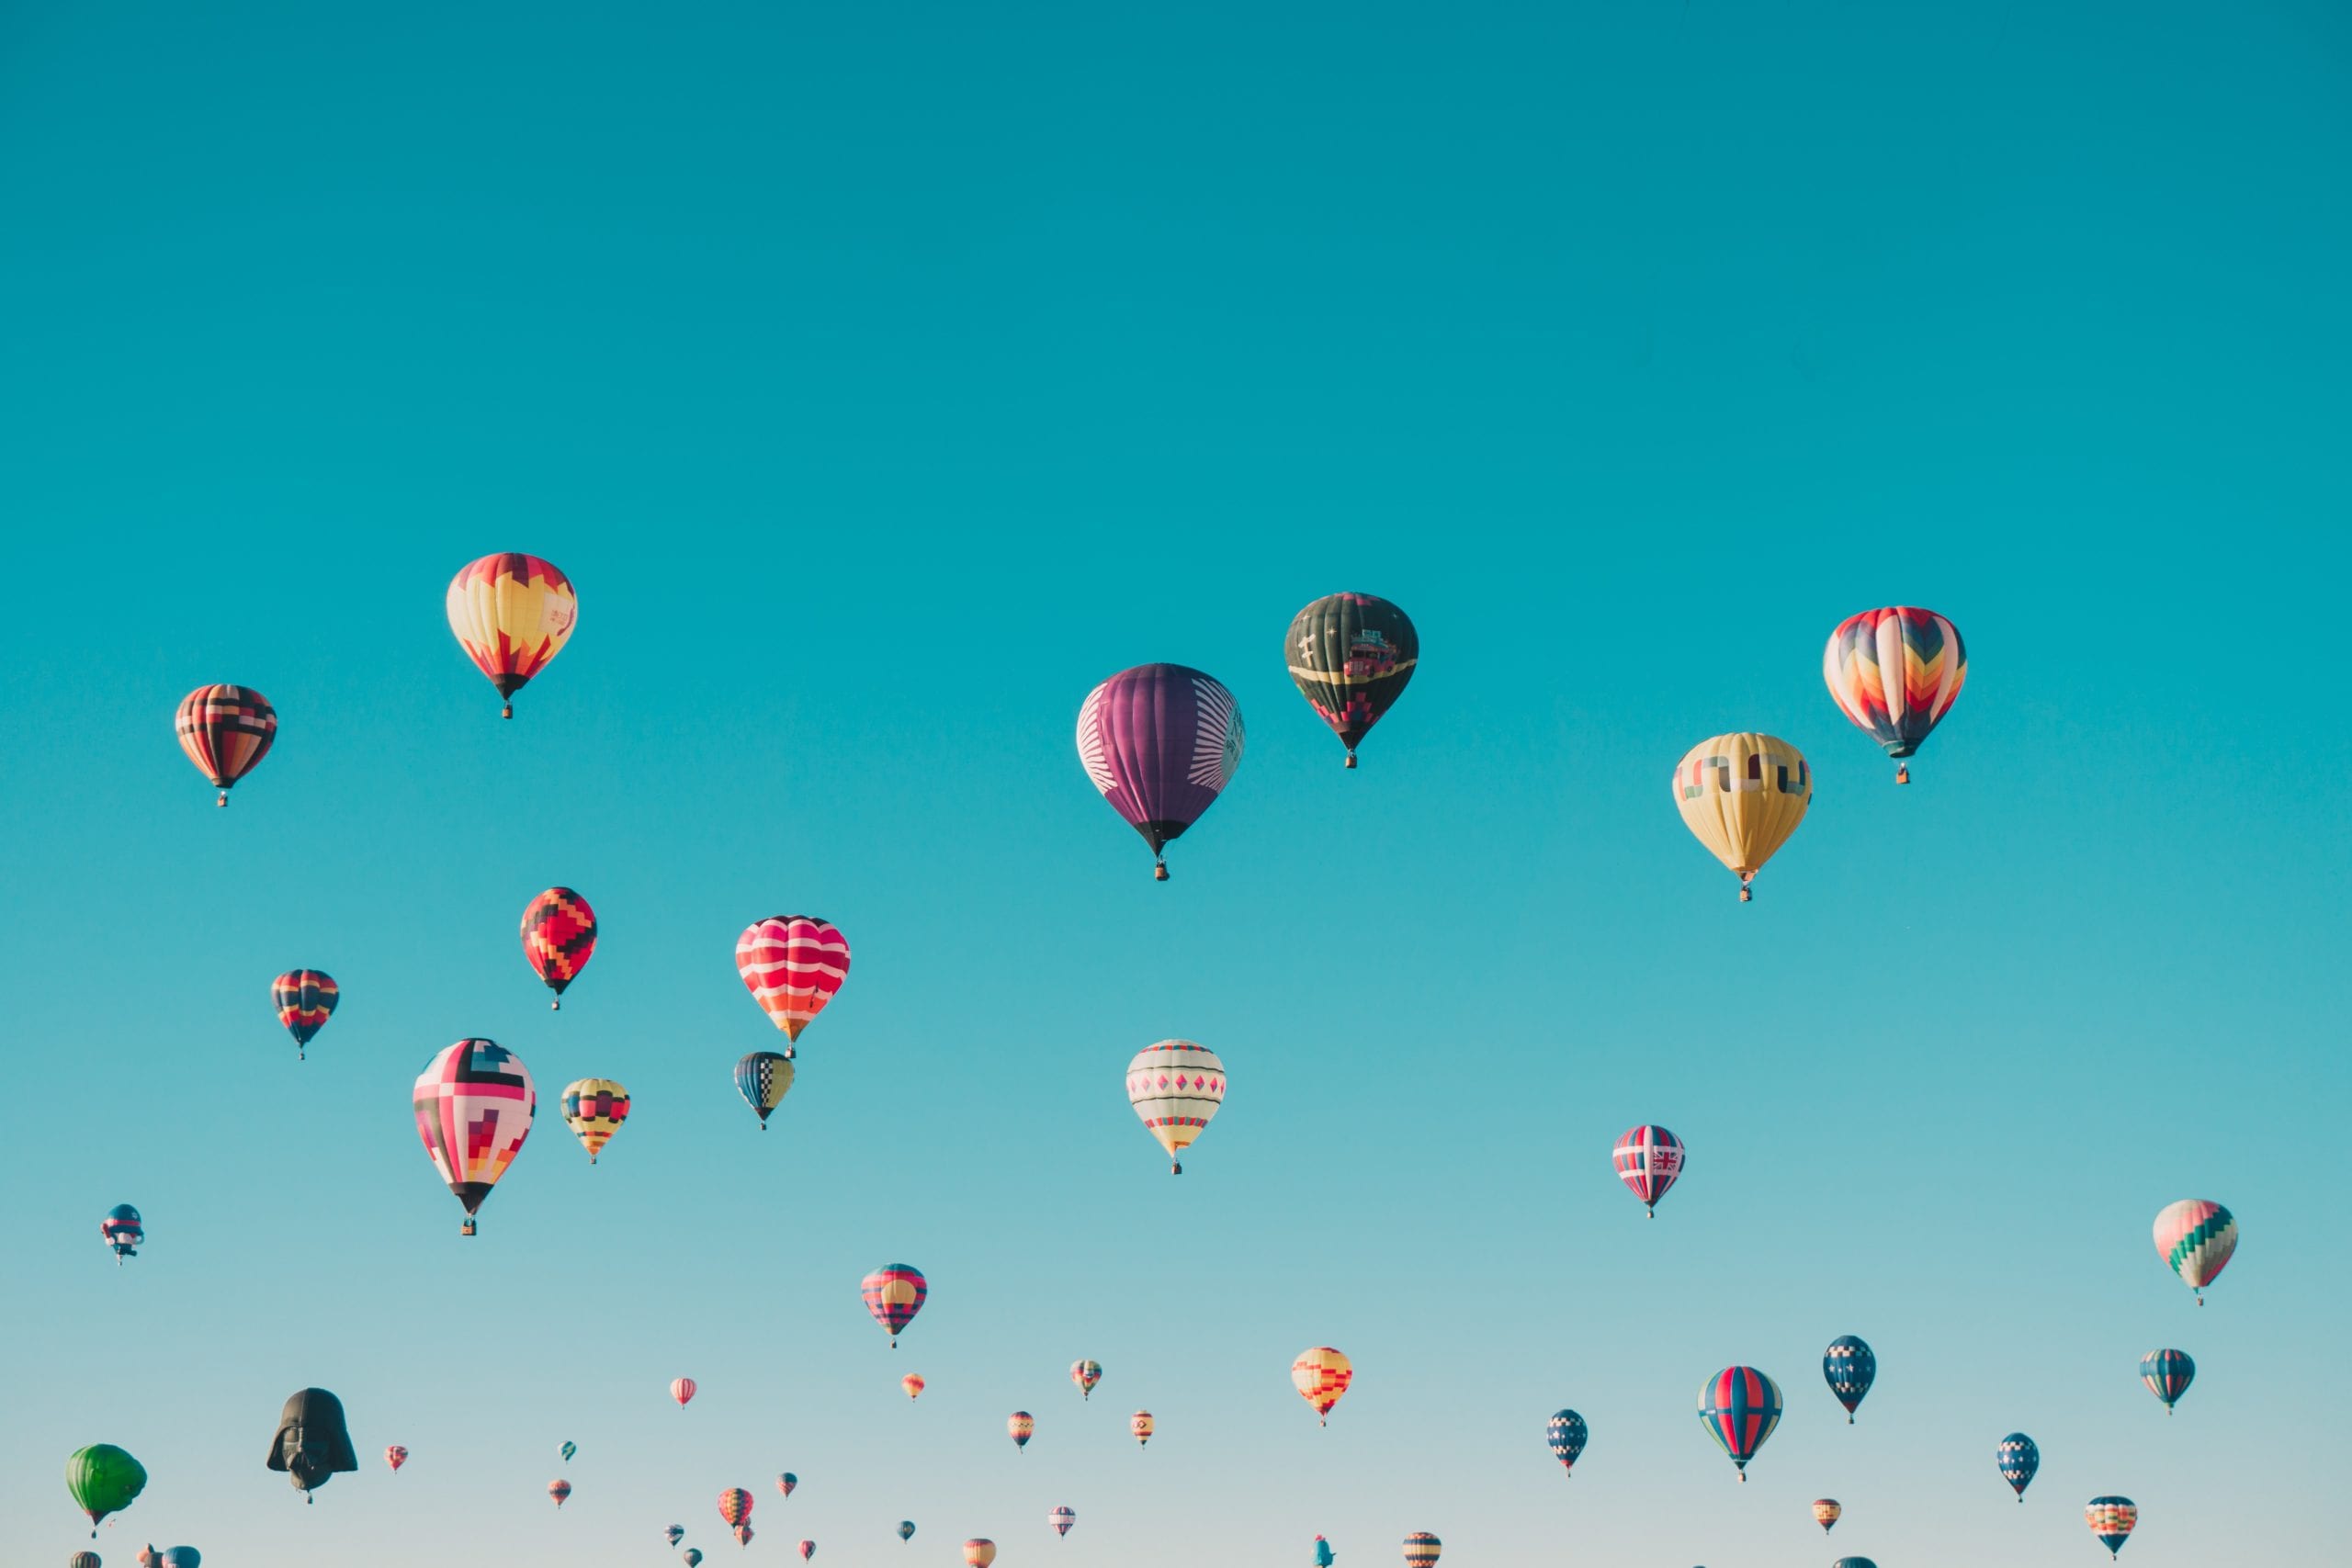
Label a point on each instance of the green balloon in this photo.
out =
(103, 1480)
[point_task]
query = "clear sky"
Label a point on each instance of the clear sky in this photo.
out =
(888, 374)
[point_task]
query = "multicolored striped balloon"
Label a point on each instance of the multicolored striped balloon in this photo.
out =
(395, 1456)
(1739, 1406)
(305, 1000)
(734, 1505)
(792, 964)
(1895, 672)
(226, 731)
(1825, 1513)
(1176, 1087)
(1421, 1550)
(683, 1391)
(1564, 1432)
(894, 1293)
(1350, 656)
(2195, 1237)
(1020, 1427)
(559, 1491)
(474, 1106)
(512, 614)
(914, 1385)
(786, 1482)
(1849, 1369)
(764, 1078)
(1741, 794)
(1086, 1374)
(594, 1109)
(2167, 1375)
(1321, 1375)
(1649, 1160)
(1061, 1519)
(1140, 1424)
(2112, 1519)
(1160, 742)
(559, 938)
(2018, 1459)
(978, 1552)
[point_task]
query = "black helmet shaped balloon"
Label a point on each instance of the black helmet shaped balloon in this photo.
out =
(312, 1444)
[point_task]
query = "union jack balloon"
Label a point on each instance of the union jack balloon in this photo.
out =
(1895, 672)
(1160, 742)
(793, 965)
(1739, 1406)
(2018, 1459)
(1649, 1160)
(2167, 1375)
(894, 1293)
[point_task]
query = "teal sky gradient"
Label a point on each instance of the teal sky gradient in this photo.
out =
(887, 376)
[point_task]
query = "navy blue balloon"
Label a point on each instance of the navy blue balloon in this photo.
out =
(1850, 1369)
(1565, 1432)
(2018, 1459)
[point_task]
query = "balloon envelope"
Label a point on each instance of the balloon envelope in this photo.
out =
(894, 1293)
(1175, 1087)
(226, 731)
(1350, 656)
(2018, 1459)
(1061, 1519)
(305, 1000)
(1825, 1512)
(512, 614)
(1849, 1369)
(559, 1490)
(1086, 1374)
(1160, 742)
(312, 1444)
(1421, 1550)
(395, 1456)
(793, 965)
(2112, 1519)
(2195, 1237)
(786, 1482)
(2167, 1375)
(1739, 1406)
(558, 937)
(692, 1557)
(1649, 1160)
(1564, 1433)
(906, 1529)
(764, 1078)
(979, 1553)
(123, 1230)
(1894, 673)
(103, 1480)
(682, 1390)
(734, 1505)
(1140, 1424)
(474, 1105)
(594, 1108)
(1741, 794)
(1321, 1375)
(1020, 1427)
(914, 1385)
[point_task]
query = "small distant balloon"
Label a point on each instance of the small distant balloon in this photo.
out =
(559, 1491)
(226, 731)
(1741, 796)
(123, 1231)
(2018, 1459)
(808, 1550)
(979, 1553)
(1421, 1550)
(1564, 1433)
(1321, 1375)
(894, 1293)
(914, 1385)
(1086, 1374)
(1324, 1556)
(1825, 1513)
(305, 1000)
(682, 1390)
(1061, 1519)
(2195, 1237)
(1176, 1087)
(594, 1108)
(786, 1482)
(734, 1506)
(1649, 1160)
(1739, 1406)
(1849, 1369)
(764, 1078)
(1020, 1427)
(1140, 1424)
(2167, 1375)
(395, 1456)
(559, 938)
(567, 1450)
(676, 1533)
(2112, 1519)
(692, 1556)
(906, 1529)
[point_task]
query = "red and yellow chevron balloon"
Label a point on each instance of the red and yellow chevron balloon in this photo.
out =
(1895, 672)
(559, 938)
(1020, 1427)
(513, 614)
(594, 1109)
(1741, 794)
(226, 731)
(792, 964)
(1321, 1375)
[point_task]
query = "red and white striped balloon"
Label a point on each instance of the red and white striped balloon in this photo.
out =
(792, 964)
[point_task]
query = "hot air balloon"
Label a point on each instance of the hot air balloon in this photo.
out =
(178, 1557)
(594, 1108)
(103, 1480)
(226, 731)
(682, 1390)
(395, 1456)
(1825, 1512)
(1324, 1556)
(2195, 1237)
(123, 1231)
(1140, 1424)
(1321, 1375)
(1565, 1433)
(1421, 1550)
(786, 1482)
(474, 1104)
(1741, 794)
(764, 1078)
(559, 1490)
(914, 1385)
(894, 1293)
(744, 1534)
(512, 614)
(567, 1450)
(1895, 672)
(1020, 1427)
(906, 1529)
(1740, 1406)
(1160, 741)
(792, 964)
(2167, 1375)
(1352, 655)
(559, 938)
(1060, 1520)
(734, 1506)
(1853, 1562)
(808, 1550)
(692, 1557)
(676, 1534)
(2018, 1459)
(1849, 1369)
(1648, 1161)
(84, 1560)
(1176, 1087)
(1086, 1374)
(313, 1445)
(305, 1000)
(2112, 1519)
(979, 1553)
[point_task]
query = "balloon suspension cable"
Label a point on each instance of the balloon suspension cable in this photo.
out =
(506, 712)
(1351, 756)
(1902, 773)
(1158, 867)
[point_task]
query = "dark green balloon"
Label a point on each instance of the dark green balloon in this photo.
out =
(313, 1445)
(1350, 655)
(103, 1480)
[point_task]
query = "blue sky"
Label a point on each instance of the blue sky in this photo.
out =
(886, 379)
